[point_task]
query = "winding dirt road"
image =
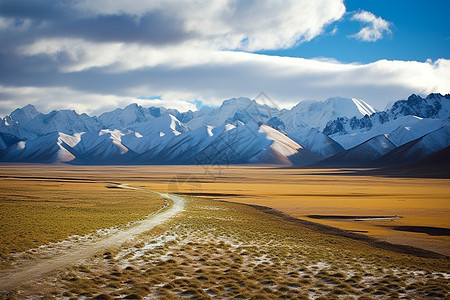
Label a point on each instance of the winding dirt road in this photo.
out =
(36, 270)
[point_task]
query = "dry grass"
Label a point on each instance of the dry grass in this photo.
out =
(35, 213)
(217, 250)
(203, 255)
(299, 193)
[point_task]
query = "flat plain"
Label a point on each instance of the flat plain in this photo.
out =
(217, 247)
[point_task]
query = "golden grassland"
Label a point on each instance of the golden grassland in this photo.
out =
(34, 213)
(218, 249)
(297, 192)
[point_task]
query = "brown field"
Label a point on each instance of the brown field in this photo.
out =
(37, 212)
(300, 193)
(217, 249)
(297, 192)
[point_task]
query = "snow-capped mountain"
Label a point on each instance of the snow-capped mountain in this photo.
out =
(418, 149)
(14, 124)
(66, 121)
(23, 115)
(236, 109)
(135, 114)
(305, 121)
(102, 147)
(382, 151)
(27, 123)
(313, 114)
(131, 114)
(435, 106)
(336, 132)
(400, 131)
(315, 141)
(164, 125)
(432, 106)
(51, 148)
(237, 143)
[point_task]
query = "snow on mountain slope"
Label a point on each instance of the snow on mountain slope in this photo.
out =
(51, 148)
(315, 114)
(434, 106)
(283, 150)
(15, 123)
(154, 134)
(232, 110)
(206, 145)
(400, 131)
(102, 147)
(121, 118)
(65, 121)
(362, 155)
(164, 125)
(16, 129)
(236, 143)
(179, 149)
(315, 141)
(27, 123)
(363, 107)
(241, 143)
(82, 148)
(24, 114)
(133, 114)
(281, 143)
(418, 149)
(140, 144)
(408, 132)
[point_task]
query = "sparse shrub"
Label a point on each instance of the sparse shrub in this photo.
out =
(103, 297)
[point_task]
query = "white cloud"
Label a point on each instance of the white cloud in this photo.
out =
(235, 24)
(232, 74)
(375, 30)
(334, 31)
(73, 55)
(208, 28)
(47, 99)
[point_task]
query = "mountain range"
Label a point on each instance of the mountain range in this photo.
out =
(338, 132)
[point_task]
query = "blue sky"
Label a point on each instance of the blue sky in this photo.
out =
(420, 31)
(97, 55)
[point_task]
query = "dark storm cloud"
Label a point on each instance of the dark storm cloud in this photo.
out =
(153, 28)
(49, 19)
(34, 9)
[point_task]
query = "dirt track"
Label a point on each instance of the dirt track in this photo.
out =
(39, 269)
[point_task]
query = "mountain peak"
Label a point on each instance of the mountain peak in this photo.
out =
(24, 114)
(240, 102)
(347, 106)
(437, 96)
(132, 106)
(316, 114)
